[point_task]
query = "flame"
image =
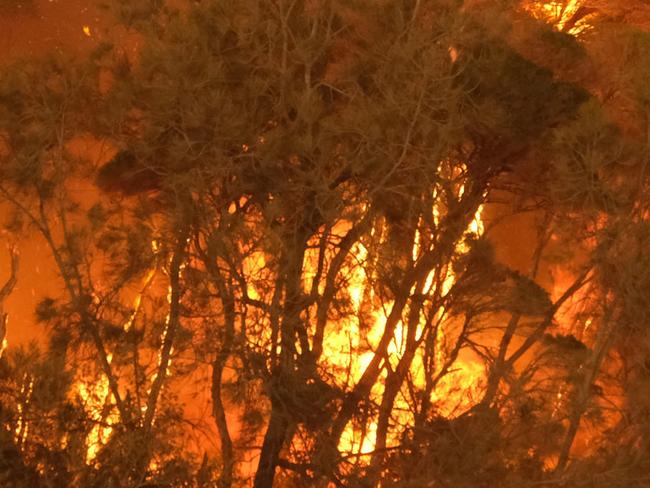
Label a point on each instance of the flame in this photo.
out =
(163, 340)
(96, 398)
(560, 13)
(137, 301)
(22, 425)
(459, 390)
(350, 343)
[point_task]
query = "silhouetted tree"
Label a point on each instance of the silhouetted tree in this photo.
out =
(292, 210)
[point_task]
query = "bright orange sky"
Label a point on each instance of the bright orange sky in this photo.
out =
(31, 29)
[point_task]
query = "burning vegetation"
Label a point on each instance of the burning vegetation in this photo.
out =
(332, 244)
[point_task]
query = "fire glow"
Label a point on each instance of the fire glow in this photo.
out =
(365, 323)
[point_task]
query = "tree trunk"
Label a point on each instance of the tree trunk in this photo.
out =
(271, 447)
(291, 328)
(582, 400)
(394, 382)
(218, 365)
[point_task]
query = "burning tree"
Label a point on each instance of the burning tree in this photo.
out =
(291, 212)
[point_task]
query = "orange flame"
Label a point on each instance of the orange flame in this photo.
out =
(96, 398)
(349, 348)
(560, 15)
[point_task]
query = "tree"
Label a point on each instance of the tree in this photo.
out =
(295, 192)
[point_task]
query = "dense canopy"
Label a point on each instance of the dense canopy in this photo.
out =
(370, 243)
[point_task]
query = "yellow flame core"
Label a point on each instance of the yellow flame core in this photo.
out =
(560, 13)
(351, 340)
(96, 398)
(22, 425)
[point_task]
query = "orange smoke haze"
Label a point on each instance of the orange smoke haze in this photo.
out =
(75, 28)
